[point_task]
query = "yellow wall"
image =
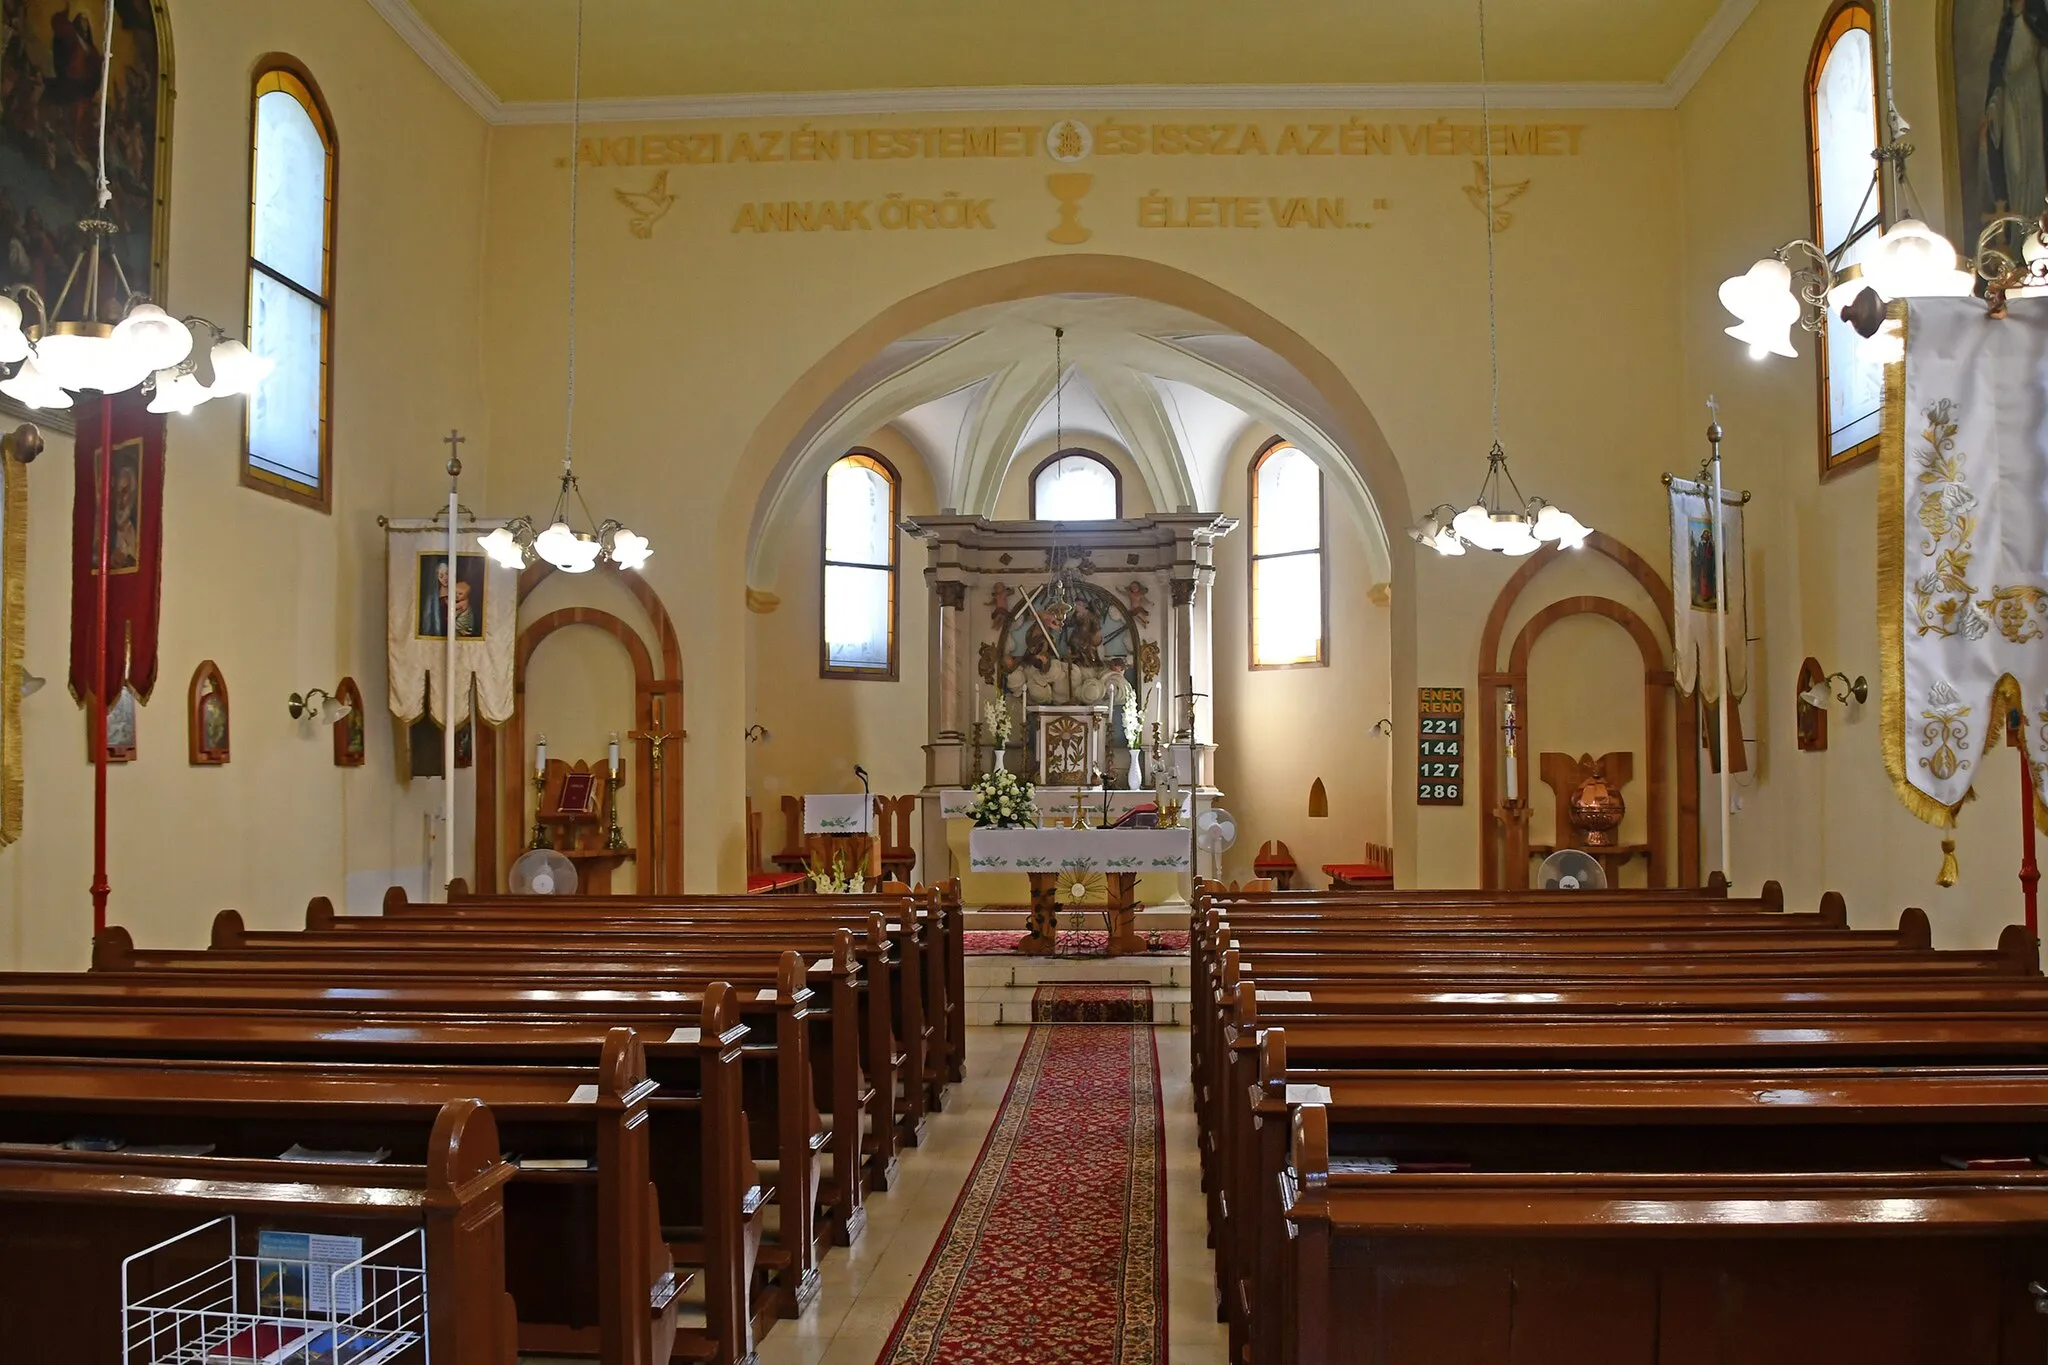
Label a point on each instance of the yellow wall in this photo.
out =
(1826, 820)
(282, 598)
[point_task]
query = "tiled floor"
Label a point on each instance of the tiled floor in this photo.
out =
(866, 1286)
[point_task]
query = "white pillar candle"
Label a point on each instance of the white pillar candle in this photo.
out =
(1514, 778)
(613, 753)
(540, 757)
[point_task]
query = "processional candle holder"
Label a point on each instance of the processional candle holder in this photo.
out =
(615, 840)
(540, 829)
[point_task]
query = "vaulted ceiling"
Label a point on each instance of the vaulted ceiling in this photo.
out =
(650, 49)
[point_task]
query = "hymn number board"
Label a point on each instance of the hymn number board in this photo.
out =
(1440, 765)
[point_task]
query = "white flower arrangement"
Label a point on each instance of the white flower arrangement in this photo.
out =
(1133, 719)
(1003, 800)
(995, 718)
(839, 881)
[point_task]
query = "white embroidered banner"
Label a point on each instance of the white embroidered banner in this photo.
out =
(1696, 598)
(1962, 543)
(485, 604)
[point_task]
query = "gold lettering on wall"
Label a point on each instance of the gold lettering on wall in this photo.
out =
(894, 212)
(1156, 210)
(1356, 136)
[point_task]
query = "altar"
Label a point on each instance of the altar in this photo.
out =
(1069, 866)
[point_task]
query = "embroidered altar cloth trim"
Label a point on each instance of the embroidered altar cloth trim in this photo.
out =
(1080, 850)
(838, 814)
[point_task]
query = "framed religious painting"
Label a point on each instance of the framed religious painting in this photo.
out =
(54, 51)
(206, 716)
(348, 731)
(1993, 60)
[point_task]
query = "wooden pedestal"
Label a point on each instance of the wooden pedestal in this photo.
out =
(1120, 915)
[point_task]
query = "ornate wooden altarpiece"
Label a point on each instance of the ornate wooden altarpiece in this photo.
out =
(1135, 606)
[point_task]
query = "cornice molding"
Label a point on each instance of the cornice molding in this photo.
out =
(1666, 94)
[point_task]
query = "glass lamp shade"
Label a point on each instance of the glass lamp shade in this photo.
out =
(1764, 306)
(237, 369)
(32, 388)
(86, 359)
(1446, 542)
(333, 711)
(13, 341)
(1914, 261)
(2033, 251)
(1474, 526)
(1816, 696)
(629, 551)
(1514, 537)
(503, 548)
(179, 393)
(566, 550)
(153, 337)
(1554, 523)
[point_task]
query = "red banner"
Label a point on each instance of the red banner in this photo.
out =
(135, 553)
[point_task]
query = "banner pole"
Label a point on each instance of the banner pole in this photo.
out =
(448, 689)
(103, 498)
(1721, 638)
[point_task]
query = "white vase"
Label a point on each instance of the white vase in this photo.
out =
(1002, 755)
(1136, 782)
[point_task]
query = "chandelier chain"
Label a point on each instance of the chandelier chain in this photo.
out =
(105, 194)
(1486, 151)
(575, 159)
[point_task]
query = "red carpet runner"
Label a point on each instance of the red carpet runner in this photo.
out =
(1092, 1002)
(1056, 1252)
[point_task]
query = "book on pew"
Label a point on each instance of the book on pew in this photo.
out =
(266, 1343)
(1388, 1165)
(300, 1152)
(554, 1163)
(172, 1149)
(1989, 1163)
(88, 1142)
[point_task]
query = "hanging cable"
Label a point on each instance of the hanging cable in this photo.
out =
(575, 159)
(105, 194)
(1486, 149)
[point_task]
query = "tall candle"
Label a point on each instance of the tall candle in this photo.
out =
(1514, 778)
(614, 753)
(540, 757)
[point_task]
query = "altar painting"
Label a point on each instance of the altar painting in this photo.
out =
(50, 56)
(1068, 661)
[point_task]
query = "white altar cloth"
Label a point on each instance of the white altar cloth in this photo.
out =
(842, 813)
(957, 803)
(1081, 850)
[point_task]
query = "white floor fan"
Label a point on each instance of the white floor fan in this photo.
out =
(543, 872)
(1215, 830)
(1570, 870)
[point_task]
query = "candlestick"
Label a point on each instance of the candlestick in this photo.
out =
(613, 752)
(540, 756)
(1508, 728)
(540, 830)
(616, 838)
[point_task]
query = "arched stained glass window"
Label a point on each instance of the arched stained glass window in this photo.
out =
(1848, 217)
(1076, 485)
(291, 285)
(860, 568)
(1288, 589)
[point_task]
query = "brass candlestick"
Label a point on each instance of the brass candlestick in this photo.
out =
(615, 840)
(540, 831)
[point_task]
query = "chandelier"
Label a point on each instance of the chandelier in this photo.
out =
(49, 352)
(1800, 284)
(1500, 518)
(522, 541)
(1063, 590)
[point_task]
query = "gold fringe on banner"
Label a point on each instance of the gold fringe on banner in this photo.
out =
(1950, 873)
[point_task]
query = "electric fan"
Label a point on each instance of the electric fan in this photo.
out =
(543, 872)
(1570, 870)
(1216, 830)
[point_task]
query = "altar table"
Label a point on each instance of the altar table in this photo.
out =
(1058, 858)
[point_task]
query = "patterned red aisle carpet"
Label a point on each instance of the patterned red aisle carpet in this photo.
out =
(1092, 1002)
(1056, 1252)
(1072, 943)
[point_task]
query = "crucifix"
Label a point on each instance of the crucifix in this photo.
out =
(653, 840)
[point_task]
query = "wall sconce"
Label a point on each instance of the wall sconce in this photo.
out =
(30, 683)
(758, 733)
(1819, 691)
(1383, 727)
(322, 705)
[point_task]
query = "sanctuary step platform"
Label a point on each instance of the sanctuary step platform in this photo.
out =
(1000, 986)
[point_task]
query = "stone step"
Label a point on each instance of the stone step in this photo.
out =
(1000, 1005)
(1012, 970)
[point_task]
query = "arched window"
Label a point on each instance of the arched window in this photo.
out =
(1848, 217)
(291, 285)
(1287, 615)
(1076, 485)
(860, 568)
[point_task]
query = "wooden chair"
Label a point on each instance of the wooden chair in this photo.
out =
(893, 818)
(1276, 863)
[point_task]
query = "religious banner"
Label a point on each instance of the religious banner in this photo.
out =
(1962, 550)
(135, 546)
(1697, 597)
(422, 598)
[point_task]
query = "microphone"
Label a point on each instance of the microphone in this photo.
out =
(862, 774)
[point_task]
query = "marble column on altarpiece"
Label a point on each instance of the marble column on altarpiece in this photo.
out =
(949, 646)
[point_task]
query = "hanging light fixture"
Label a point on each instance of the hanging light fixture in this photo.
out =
(1801, 283)
(1058, 601)
(51, 352)
(1500, 519)
(521, 541)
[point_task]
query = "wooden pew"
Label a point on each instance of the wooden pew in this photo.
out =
(584, 1258)
(1890, 1268)
(72, 1218)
